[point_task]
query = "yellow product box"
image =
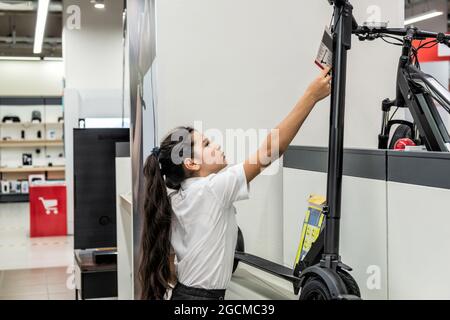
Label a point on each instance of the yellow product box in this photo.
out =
(312, 225)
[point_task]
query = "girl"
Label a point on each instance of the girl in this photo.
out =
(196, 225)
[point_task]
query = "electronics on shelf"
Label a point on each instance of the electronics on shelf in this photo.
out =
(32, 178)
(14, 187)
(10, 119)
(27, 159)
(36, 116)
(25, 187)
(51, 134)
(4, 187)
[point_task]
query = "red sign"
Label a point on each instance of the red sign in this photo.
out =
(430, 54)
(48, 210)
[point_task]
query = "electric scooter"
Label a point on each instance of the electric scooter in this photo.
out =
(321, 275)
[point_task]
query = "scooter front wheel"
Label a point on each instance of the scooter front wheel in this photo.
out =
(315, 289)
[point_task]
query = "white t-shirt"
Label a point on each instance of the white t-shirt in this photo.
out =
(204, 228)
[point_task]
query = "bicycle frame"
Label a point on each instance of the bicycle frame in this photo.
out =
(414, 91)
(417, 99)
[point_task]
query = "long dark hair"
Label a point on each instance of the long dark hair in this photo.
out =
(163, 168)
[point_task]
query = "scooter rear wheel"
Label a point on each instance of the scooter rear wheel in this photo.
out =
(350, 283)
(316, 289)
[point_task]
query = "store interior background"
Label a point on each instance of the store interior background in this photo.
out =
(230, 65)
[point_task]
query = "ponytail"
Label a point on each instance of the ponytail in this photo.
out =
(154, 267)
(155, 245)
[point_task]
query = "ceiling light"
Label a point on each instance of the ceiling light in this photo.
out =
(423, 16)
(41, 20)
(98, 4)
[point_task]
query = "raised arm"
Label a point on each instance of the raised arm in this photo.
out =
(281, 136)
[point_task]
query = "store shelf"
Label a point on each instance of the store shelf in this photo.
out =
(31, 101)
(33, 169)
(14, 197)
(31, 143)
(43, 140)
(30, 124)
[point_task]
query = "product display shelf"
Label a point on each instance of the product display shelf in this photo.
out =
(30, 124)
(36, 140)
(14, 197)
(30, 143)
(33, 169)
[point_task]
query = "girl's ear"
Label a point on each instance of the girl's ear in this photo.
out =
(191, 165)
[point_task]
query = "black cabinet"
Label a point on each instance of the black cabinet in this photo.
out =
(94, 280)
(95, 186)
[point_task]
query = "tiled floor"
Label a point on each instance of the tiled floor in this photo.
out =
(32, 268)
(37, 284)
(249, 283)
(19, 251)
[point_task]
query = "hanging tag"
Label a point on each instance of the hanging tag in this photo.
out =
(325, 55)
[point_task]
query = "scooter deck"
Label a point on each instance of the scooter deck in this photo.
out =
(267, 266)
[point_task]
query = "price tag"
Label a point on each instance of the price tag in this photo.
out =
(325, 55)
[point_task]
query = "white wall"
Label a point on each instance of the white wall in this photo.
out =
(31, 78)
(92, 52)
(372, 68)
(93, 66)
(418, 242)
(243, 64)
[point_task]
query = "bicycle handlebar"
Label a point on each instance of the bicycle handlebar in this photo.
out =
(412, 32)
(415, 34)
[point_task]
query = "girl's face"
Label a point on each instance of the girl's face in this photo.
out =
(208, 156)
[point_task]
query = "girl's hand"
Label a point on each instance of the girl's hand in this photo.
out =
(320, 88)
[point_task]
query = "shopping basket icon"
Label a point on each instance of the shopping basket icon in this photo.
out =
(50, 205)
